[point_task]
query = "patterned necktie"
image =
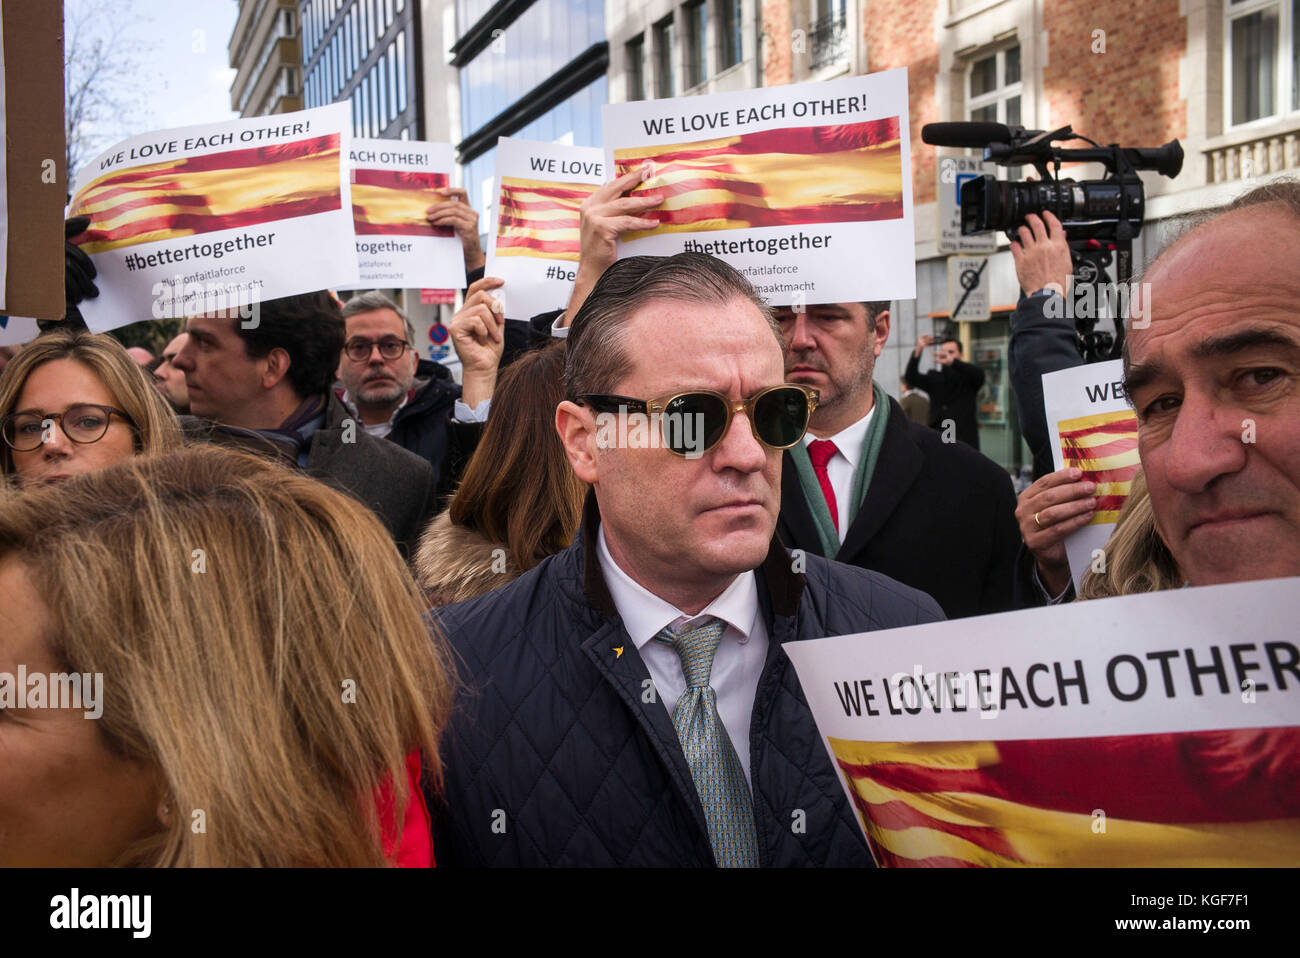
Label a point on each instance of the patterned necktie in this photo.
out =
(820, 452)
(715, 767)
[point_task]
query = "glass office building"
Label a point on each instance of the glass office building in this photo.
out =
(365, 52)
(532, 70)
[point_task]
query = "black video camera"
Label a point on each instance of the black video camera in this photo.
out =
(1101, 217)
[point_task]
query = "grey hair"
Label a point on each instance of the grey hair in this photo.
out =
(373, 300)
(595, 356)
(1284, 190)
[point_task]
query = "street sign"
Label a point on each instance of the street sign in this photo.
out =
(968, 288)
(953, 171)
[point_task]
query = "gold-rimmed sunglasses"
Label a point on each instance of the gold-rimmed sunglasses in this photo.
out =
(778, 415)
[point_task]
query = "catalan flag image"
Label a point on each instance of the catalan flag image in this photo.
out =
(389, 202)
(1186, 799)
(840, 173)
(1104, 447)
(203, 194)
(539, 218)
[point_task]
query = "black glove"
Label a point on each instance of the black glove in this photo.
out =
(78, 276)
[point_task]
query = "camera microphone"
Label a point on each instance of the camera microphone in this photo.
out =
(972, 135)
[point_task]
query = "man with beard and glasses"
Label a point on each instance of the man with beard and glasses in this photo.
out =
(870, 487)
(413, 402)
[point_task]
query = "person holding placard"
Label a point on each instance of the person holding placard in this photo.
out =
(395, 395)
(1214, 376)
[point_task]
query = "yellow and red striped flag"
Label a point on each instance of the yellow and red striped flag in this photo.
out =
(540, 218)
(391, 202)
(1212, 798)
(1104, 446)
(800, 175)
(202, 194)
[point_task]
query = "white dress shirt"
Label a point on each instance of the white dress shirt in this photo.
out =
(737, 664)
(842, 466)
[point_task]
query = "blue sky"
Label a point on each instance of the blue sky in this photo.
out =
(177, 49)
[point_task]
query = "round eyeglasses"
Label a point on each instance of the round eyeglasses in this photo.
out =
(83, 423)
(358, 350)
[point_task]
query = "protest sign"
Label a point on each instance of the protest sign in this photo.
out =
(1155, 730)
(393, 183)
(17, 330)
(534, 245)
(216, 217)
(806, 189)
(1094, 429)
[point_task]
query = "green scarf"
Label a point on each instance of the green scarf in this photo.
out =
(812, 490)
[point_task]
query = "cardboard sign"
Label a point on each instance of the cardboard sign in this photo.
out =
(394, 182)
(35, 181)
(806, 189)
(535, 242)
(1150, 730)
(216, 217)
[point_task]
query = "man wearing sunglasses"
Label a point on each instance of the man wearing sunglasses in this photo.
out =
(869, 487)
(627, 701)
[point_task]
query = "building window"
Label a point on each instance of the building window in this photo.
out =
(665, 46)
(635, 50)
(392, 83)
(350, 28)
(730, 47)
(1261, 58)
(401, 71)
(993, 88)
(381, 83)
(697, 31)
(829, 35)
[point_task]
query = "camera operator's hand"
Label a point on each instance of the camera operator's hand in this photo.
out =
(605, 215)
(923, 342)
(456, 212)
(1042, 255)
(1048, 511)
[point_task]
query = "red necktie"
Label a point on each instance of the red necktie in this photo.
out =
(820, 452)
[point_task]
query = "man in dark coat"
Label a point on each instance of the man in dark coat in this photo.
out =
(395, 395)
(952, 388)
(870, 487)
(628, 701)
(263, 382)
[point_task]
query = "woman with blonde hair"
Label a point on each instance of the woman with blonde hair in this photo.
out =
(73, 402)
(519, 500)
(269, 685)
(1137, 559)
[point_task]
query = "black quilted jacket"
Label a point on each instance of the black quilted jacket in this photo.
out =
(554, 758)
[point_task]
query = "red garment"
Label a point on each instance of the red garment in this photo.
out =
(820, 451)
(416, 849)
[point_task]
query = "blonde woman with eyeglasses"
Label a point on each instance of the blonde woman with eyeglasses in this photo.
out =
(74, 402)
